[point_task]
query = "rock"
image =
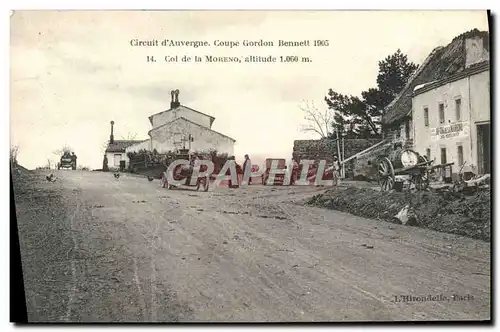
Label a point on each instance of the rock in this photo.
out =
(403, 215)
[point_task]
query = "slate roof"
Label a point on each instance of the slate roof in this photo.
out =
(474, 69)
(121, 145)
(441, 63)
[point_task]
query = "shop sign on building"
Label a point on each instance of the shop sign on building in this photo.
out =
(455, 130)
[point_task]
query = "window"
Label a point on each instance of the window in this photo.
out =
(458, 108)
(441, 113)
(443, 155)
(426, 117)
(460, 153)
(117, 158)
(428, 154)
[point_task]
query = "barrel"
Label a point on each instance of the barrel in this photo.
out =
(403, 158)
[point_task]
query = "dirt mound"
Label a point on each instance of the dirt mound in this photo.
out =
(445, 212)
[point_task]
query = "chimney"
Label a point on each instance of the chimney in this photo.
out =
(172, 103)
(475, 51)
(111, 137)
(177, 104)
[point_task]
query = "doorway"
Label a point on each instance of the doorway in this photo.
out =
(483, 148)
(117, 158)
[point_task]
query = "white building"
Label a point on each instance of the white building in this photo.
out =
(444, 109)
(451, 119)
(115, 151)
(171, 129)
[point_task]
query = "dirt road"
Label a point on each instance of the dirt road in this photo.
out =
(99, 249)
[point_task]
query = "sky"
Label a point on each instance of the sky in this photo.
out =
(72, 72)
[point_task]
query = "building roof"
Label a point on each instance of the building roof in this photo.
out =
(441, 63)
(472, 70)
(212, 119)
(121, 145)
(183, 118)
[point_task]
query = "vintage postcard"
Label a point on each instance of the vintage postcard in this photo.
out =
(252, 166)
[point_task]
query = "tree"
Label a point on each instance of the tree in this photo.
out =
(62, 150)
(394, 72)
(14, 152)
(319, 122)
(130, 136)
(361, 117)
(351, 114)
(105, 164)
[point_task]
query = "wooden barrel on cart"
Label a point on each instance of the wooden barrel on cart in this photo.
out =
(403, 158)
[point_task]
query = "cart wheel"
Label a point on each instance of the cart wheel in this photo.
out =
(421, 181)
(386, 177)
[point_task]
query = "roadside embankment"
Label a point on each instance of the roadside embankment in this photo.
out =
(445, 212)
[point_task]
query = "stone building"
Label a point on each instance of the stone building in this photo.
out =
(181, 126)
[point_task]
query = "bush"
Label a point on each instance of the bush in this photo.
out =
(140, 159)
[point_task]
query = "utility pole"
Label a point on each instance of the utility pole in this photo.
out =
(338, 143)
(343, 157)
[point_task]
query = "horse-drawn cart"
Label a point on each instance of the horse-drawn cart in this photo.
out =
(406, 165)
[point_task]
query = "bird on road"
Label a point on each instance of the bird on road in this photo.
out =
(51, 178)
(150, 178)
(116, 175)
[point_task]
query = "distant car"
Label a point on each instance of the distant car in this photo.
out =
(66, 162)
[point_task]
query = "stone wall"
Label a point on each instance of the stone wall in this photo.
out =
(365, 167)
(325, 149)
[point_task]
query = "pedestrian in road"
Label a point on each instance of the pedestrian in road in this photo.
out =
(295, 170)
(73, 159)
(247, 169)
(336, 170)
(192, 163)
(231, 184)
